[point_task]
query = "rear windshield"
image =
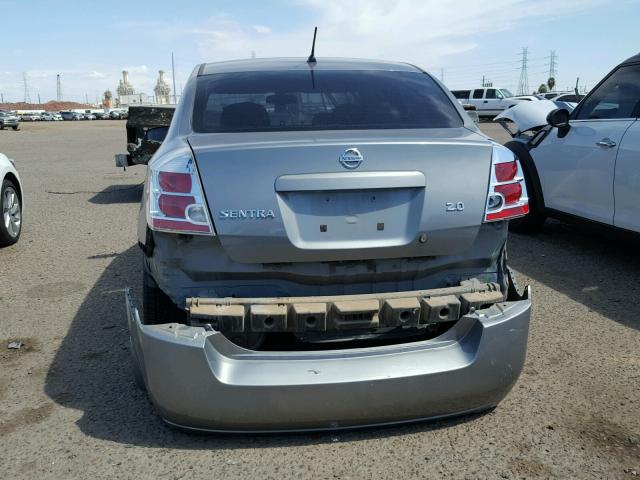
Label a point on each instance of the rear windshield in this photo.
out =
(325, 100)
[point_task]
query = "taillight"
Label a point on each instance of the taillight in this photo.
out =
(507, 196)
(175, 182)
(175, 202)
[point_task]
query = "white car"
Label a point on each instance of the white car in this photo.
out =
(527, 98)
(51, 117)
(11, 202)
(568, 97)
(489, 102)
(582, 164)
(30, 117)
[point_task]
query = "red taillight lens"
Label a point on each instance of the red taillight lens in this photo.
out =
(507, 197)
(506, 171)
(175, 182)
(510, 191)
(174, 206)
(178, 225)
(507, 213)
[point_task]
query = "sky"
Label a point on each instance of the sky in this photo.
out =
(89, 43)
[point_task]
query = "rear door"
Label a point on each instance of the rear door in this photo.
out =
(477, 99)
(627, 181)
(493, 101)
(577, 170)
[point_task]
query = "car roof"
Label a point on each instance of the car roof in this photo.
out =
(300, 63)
(634, 59)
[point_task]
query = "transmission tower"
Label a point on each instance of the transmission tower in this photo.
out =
(523, 84)
(27, 97)
(58, 88)
(553, 58)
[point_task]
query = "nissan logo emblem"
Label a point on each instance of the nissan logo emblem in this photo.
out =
(351, 158)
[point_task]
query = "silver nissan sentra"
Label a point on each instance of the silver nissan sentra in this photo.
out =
(325, 247)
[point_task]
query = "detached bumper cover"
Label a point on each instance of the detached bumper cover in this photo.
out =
(199, 380)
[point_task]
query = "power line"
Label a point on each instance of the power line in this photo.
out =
(506, 63)
(523, 83)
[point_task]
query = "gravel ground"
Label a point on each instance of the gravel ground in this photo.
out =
(69, 408)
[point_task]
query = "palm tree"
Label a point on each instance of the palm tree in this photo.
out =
(542, 88)
(551, 83)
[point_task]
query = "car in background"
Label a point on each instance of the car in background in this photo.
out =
(528, 98)
(71, 116)
(549, 95)
(119, 114)
(8, 120)
(583, 165)
(568, 98)
(30, 117)
(11, 202)
(51, 117)
(101, 115)
(489, 102)
(89, 116)
(362, 281)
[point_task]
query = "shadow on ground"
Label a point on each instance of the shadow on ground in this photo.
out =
(598, 271)
(119, 194)
(91, 372)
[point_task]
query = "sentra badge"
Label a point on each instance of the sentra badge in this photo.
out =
(250, 213)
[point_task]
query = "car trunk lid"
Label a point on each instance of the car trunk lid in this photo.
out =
(344, 195)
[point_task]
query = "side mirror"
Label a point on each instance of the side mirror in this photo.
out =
(559, 118)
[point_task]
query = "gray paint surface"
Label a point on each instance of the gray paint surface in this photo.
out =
(231, 165)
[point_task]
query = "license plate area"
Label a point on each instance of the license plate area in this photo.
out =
(353, 218)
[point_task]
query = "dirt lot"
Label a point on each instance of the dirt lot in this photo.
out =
(69, 407)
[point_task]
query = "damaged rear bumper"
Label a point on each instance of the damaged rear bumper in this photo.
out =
(200, 380)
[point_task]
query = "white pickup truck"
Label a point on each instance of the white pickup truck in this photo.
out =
(489, 102)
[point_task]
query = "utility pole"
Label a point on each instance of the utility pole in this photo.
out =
(523, 84)
(27, 97)
(576, 89)
(482, 81)
(173, 74)
(58, 88)
(39, 99)
(86, 98)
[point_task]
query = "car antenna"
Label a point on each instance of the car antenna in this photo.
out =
(312, 57)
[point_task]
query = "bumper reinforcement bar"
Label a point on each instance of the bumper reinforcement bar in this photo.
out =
(345, 312)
